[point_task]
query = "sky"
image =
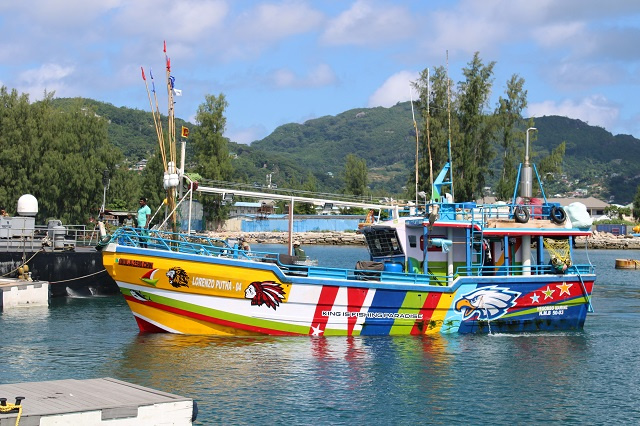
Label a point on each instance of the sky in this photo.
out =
(288, 61)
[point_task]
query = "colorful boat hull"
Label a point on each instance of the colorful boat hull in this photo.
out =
(176, 292)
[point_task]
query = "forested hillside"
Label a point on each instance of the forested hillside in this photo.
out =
(312, 155)
(595, 160)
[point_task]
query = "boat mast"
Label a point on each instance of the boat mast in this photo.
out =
(170, 166)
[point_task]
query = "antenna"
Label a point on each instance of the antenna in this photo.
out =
(415, 126)
(429, 133)
(449, 118)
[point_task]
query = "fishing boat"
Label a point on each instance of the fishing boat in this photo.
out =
(468, 268)
(459, 267)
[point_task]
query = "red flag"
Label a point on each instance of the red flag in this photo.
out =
(143, 76)
(185, 132)
(165, 46)
(168, 64)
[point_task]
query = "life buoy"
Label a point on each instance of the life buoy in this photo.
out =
(521, 215)
(557, 215)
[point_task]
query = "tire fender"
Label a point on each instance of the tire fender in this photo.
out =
(521, 215)
(557, 215)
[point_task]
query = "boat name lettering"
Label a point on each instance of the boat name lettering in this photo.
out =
(371, 315)
(211, 283)
(135, 263)
(551, 310)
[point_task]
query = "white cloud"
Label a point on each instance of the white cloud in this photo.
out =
(50, 77)
(184, 21)
(570, 75)
(269, 22)
(320, 76)
(396, 88)
(595, 110)
(69, 14)
(558, 33)
(369, 23)
(246, 135)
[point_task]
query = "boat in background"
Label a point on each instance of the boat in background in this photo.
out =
(65, 256)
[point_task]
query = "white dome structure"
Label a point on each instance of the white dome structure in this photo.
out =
(27, 205)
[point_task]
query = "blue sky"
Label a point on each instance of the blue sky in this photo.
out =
(289, 61)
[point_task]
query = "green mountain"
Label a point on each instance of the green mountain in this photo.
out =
(595, 160)
(384, 137)
(131, 130)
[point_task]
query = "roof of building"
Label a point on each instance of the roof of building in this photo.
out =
(590, 202)
(246, 204)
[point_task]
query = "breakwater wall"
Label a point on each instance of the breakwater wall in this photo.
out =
(605, 240)
(305, 238)
(597, 240)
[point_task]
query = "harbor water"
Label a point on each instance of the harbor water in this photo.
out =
(591, 376)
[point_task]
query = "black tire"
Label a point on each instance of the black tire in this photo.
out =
(557, 215)
(521, 215)
(102, 243)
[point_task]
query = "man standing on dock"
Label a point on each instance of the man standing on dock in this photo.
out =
(143, 220)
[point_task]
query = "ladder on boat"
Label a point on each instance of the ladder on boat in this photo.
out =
(477, 251)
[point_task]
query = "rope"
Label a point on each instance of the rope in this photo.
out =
(11, 272)
(9, 408)
(78, 278)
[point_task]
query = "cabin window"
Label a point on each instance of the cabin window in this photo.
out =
(412, 241)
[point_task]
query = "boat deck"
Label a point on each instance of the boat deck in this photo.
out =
(94, 402)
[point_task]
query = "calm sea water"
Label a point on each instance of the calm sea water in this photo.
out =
(592, 376)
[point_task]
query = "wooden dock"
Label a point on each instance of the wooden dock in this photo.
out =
(15, 293)
(95, 402)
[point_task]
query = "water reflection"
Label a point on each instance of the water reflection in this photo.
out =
(547, 377)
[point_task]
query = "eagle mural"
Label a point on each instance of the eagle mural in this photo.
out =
(486, 303)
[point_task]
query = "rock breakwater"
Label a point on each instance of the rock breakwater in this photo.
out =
(597, 240)
(305, 238)
(606, 240)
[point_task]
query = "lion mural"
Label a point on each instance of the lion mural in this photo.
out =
(178, 277)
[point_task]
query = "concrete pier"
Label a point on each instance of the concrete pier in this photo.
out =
(17, 293)
(104, 401)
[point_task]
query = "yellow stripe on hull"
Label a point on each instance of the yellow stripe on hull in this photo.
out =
(181, 323)
(437, 319)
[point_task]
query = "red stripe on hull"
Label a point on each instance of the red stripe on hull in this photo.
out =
(147, 327)
(355, 299)
(427, 311)
(327, 298)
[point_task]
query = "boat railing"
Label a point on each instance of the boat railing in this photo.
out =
(211, 246)
(481, 213)
(533, 269)
(170, 241)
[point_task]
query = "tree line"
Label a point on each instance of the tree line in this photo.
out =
(61, 155)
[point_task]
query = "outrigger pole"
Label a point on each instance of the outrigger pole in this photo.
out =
(170, 181)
